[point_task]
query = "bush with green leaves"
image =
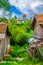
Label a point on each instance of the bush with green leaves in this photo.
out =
(20, 33)
(17, 51)
(3, 19)
(20, 51)
(10, 58)
(7, 63)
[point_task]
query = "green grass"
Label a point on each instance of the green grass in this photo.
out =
(7, 63)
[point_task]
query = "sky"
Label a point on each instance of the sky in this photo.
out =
(30, 7)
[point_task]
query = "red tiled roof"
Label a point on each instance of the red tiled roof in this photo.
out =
(39, 17)
(3, 27)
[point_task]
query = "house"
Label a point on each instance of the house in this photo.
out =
(36, 43)
(37, 25)
(20, 21)
(4, 39)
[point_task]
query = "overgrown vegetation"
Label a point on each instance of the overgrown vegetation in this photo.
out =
(42, 49)
(20, 34)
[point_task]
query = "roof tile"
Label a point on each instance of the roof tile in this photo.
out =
(39, 17)
(3, 28)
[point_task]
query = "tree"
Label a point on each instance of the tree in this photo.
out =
(20, 33)
(15, 17)
(4, 20)
(5, 6)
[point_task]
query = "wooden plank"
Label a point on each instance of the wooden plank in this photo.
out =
(40, 52)
(40, 22)
(30, 53)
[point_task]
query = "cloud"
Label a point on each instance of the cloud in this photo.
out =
(39, 9)
(30, 7)
(36, 4)
(13, 14)
(23, 5)
(1, 12)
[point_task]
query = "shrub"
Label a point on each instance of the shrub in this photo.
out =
(20, 33)
(35, 60)
(23, 40)
(8, 58)
(18, 51)
(7, 63)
